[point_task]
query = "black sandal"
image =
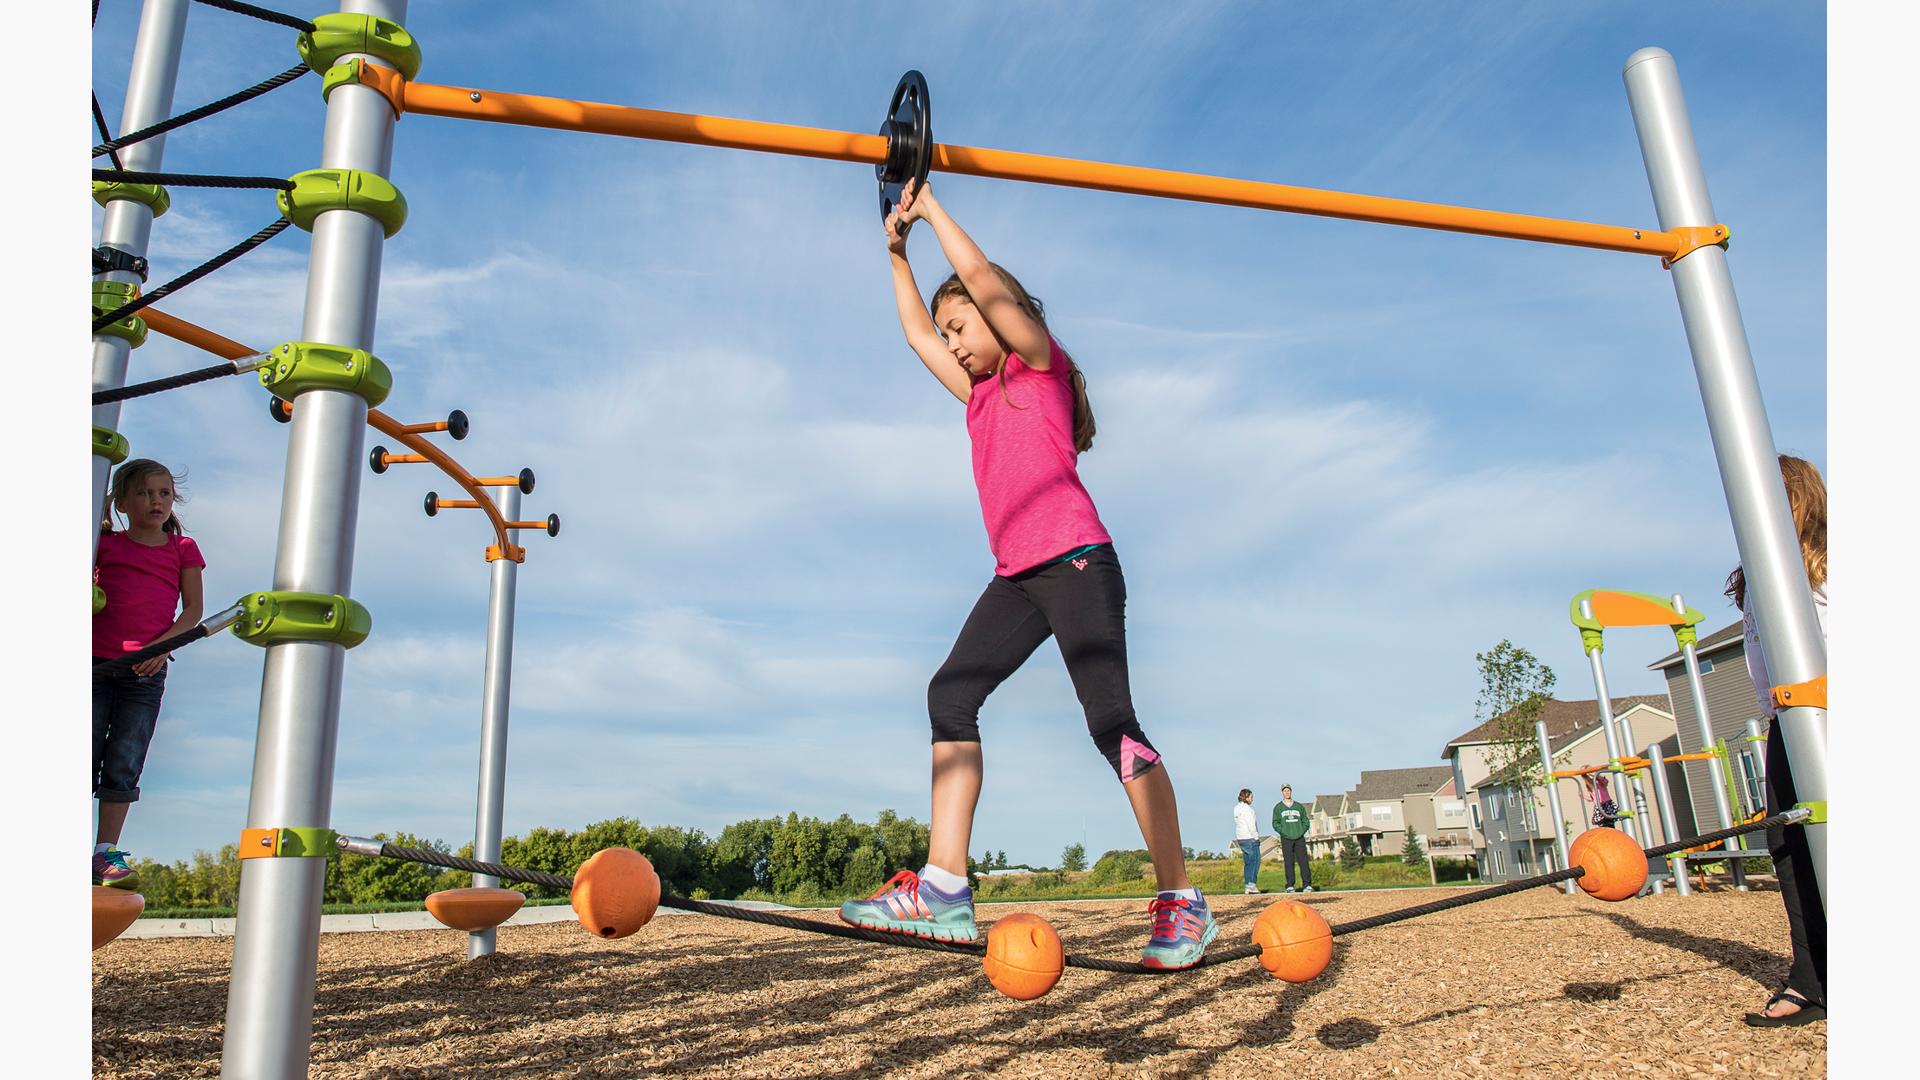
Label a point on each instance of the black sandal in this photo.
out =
(1809, 1012)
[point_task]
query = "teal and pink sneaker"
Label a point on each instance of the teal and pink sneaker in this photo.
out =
(907, 905)
(110, 868)
(1182, 929)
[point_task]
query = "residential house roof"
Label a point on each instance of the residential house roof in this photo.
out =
(1726, 635)
(1566, 720)
(1395, 783)
(1327, 804)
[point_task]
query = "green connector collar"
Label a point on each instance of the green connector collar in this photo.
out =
(112, 296)
(1592, 641)
(1819, 812)
(109, 444)
(99, 599)
(318, 190)
(152, 196)
(299, 366)
(338, 34)
(275, 617)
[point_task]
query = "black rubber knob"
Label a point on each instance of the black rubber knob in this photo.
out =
(433, 503)
(279, 411)
(377, 459)
(526, 481)
(457, 424)
(553, 524)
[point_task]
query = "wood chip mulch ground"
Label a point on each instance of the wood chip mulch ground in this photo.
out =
(1533, 984)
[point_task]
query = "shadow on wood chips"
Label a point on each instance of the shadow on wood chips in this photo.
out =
(1539, 981)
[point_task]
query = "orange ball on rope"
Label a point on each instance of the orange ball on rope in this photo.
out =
(1024, 956)
(615, 893)
(1616, 867)
(1296, 944)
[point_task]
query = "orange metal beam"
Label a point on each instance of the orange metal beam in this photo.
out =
(466, 103)
(202, 338)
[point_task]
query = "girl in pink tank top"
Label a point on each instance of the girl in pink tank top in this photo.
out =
(1055, 576)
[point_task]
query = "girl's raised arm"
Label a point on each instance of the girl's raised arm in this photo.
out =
(1010, 322)
(918, 325)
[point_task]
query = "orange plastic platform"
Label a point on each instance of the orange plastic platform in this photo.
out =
(113, 911)
(474, 909)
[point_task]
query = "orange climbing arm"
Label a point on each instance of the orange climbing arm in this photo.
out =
(201, 338)
(466, 103)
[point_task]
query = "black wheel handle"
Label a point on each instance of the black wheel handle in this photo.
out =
(457, 424)
(553, 524)
(526, 481)
(909, 131)
(377, 459)
(433, 503)
(278, 410)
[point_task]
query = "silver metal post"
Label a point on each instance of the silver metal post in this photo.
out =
(1553, 801)
(1777, 590)
(1669, 827)
(1757, 749)
(126, 224)
(1606, 729)
(276, 943)
(1698, 691)
(490, 805)
(1631, 784)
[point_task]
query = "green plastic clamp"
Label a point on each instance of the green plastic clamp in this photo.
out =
(109, 444)
(339, 34)
(99, 599)
(310, 842)
(1819, 812)
(316, 191)
(300, 366)
(152, 196)
(345, 73)
(112, 296)
(274, 617)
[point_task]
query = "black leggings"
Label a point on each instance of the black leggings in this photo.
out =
(1082, 604)
(1793, 865)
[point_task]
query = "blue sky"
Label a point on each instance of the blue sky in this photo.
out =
(1338, 459)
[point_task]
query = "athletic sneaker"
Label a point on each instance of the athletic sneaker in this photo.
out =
(907, 905)
(110, 868)
(1292, 889)
(1182, 929)
(1252, 889)
(1307, 889)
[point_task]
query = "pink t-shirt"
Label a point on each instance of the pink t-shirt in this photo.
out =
(1024, 465)
(143, 590)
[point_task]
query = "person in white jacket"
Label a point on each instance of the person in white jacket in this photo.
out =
(1246, 833)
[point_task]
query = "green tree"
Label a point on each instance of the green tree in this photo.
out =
(1514, 688)
(742, 857)
(799, 855)
(1350, 856)
(1411, 852)
(369, 879)
(1000, 859)
(1074, 857)
(866, 870)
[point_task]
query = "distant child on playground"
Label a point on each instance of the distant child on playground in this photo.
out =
(149, 571)
(1804, 998)
(1055, 575)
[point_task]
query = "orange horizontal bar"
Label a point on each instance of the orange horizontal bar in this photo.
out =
(465, 103)
(526, 525)
(201, 338)
(465, 504)
(497, 481)
(403, 459)
(422, 429)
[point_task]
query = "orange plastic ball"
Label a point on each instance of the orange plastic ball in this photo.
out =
(1296, 944)
(615, 893)
(1024, 956)
(1616, 867)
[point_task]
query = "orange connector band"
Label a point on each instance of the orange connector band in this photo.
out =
(259, 843)
(1807, 695)
(514, 551)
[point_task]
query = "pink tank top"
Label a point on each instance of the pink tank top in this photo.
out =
(1031, 497)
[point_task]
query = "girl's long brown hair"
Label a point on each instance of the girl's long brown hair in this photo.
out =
(1807, 500)
(132, 472)
(952, 288)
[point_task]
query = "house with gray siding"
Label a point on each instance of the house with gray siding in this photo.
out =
(1731, 702)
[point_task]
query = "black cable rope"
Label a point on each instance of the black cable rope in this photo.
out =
(1122, 967)
(171, 382)
(293, 21)
(201, 113)
(106, 665)
(192, 275)
(100, 120)
(277, 183)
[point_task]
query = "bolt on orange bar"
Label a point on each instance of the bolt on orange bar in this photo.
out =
(462, 103)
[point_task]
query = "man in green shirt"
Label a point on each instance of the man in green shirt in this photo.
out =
(1291, 821)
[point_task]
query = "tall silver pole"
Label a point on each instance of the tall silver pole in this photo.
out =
(1698, 691)
(1634, 828)
(1630, 783)
(276, 943)
(1669, 827)
(126, 224)
(1553, 800)
(1757, 750)
(490, 805)
(1782, 603)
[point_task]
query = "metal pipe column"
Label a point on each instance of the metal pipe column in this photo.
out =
(1553, 801)
(1698, 691)
(128, 225)
(275, 951)
(490, 803)
(1663, 792)
(1634, 827)
(1790, 635)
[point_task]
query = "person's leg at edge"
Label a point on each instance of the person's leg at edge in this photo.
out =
(1306, 864)
(1806, 916)
(957, 772)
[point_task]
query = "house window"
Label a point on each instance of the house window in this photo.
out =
(1383, 812)
(1499, 863)
(1520, 859)
(1706, 665)
(1495, 807)
(1476, 817)
(1749, 773)
(1454, 808)
(1353, 821)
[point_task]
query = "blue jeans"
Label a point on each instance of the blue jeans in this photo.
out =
(125, 708)
(1250, 858)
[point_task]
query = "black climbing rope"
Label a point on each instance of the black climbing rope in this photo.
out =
(194, 179)
(291, 21)
(100, 121)
(171, 382)
(191, 276)
(112, 145)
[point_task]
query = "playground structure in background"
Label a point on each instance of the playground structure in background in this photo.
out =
(1594, 612)
(369, 63)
